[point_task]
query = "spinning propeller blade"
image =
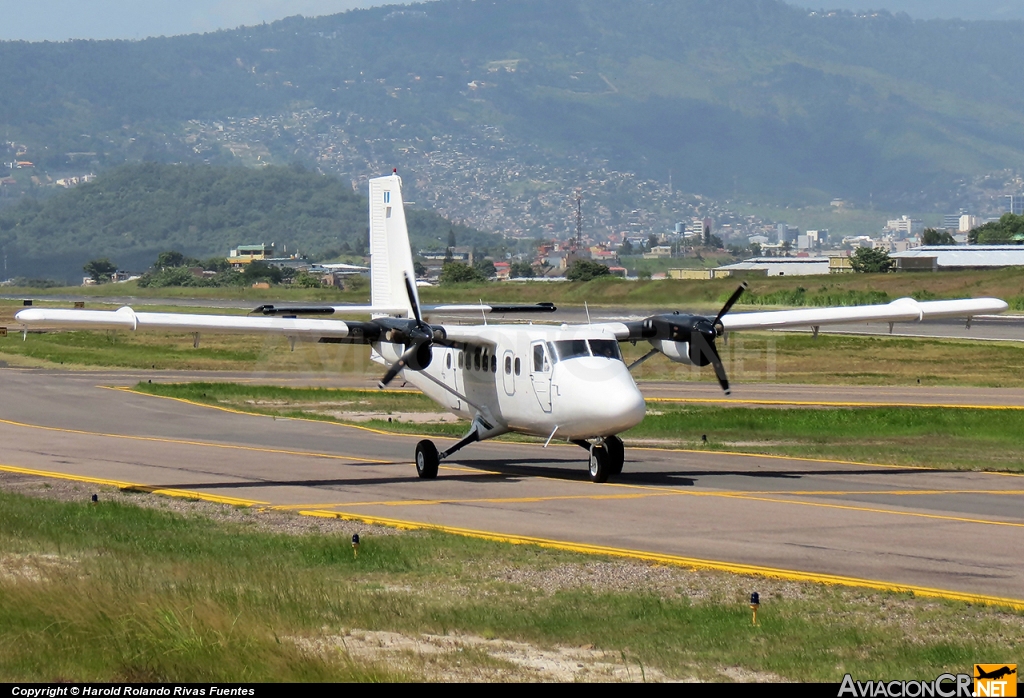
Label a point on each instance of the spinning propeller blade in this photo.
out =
(394, 368)
(729, 303)
(717, 330)
(420, 337)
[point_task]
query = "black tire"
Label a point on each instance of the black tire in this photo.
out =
(616, 452)
(426, 460)
(600, 464)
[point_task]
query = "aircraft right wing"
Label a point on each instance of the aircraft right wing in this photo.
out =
(127, 319)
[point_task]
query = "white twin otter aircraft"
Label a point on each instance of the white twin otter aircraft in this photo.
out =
(553, 381)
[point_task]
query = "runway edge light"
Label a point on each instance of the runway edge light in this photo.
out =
(355, 545)
(755, 603)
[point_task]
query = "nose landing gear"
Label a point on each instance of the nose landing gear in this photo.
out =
(606, 457)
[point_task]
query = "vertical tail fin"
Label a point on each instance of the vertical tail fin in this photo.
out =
(390, 253)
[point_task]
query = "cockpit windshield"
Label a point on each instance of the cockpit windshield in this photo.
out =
(571, 348)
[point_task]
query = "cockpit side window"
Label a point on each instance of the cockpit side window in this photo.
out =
(608, 348)
(540, 358)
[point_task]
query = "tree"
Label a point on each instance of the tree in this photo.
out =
(451, 238)
(870, 261)
(217, 264)
(306, 280)
(1008, 230)
(169, 260)
(486, 267)
(419, 269)
(521, 270)
(100, 269)
(652, 241)
(931, 236)
(261, 271)
(626, 249)
(585, 270)
(460, 273)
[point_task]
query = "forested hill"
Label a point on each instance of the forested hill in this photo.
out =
(136, 211)
(748, 95)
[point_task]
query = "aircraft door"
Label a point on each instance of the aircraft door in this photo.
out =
(508, 374)
(540, 374)
(450, 376)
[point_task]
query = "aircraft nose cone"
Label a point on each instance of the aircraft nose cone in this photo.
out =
(596, 397)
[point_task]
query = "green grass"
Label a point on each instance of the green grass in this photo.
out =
(965, 439)
(669, 293)
(949, 438)
(121, 593)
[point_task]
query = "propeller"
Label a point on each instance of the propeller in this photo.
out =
(697, 331)
(709, 331)
(417, 335)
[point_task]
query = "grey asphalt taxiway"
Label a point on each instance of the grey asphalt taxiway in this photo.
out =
(881, 526)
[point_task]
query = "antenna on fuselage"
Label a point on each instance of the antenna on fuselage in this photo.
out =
(587, 307)
(483, 312)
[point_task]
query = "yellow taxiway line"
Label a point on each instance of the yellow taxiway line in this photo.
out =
(828, 403)
(661, 493)
(134, 486)
(205, 444)
(584, 548)
(678, 560)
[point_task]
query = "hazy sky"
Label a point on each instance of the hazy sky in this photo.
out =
(56, 20)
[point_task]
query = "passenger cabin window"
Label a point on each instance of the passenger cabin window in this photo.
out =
(448, 361)
(476, 358)
(494, 363)
(518, 366)
(508, 365)
(460, 359)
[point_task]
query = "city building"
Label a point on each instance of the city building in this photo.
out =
(1015, 204)
(904, 226)
(246, 254)
(956, 257)
(779, 266)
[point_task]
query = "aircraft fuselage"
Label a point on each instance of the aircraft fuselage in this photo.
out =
(531, 379)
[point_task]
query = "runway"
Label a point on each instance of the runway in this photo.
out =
(955, 534)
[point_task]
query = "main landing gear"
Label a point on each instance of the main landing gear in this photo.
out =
(606, 457)
(428, 459)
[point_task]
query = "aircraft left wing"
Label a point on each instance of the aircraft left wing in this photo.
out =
(685, 338)
(901, 310)
(127, 319)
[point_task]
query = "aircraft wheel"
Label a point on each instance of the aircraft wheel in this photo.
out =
(616, 453)
(600, 464)
(426, 460)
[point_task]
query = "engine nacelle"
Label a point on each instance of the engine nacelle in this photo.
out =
(420, 358)
(681, 352)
